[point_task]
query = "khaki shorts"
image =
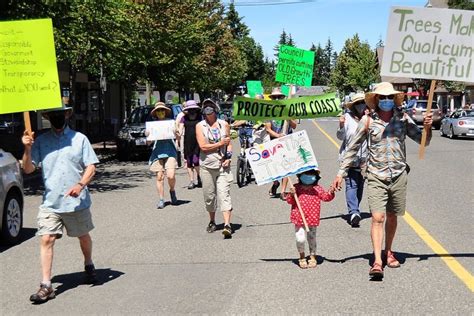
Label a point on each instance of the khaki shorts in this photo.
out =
(77, 223)
(388, 196)
(163, 164)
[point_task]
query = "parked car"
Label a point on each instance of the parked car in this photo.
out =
(131, 138)
(459, 123)
(418, 108)
(11, 198)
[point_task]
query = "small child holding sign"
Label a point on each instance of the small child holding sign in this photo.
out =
(310, 195)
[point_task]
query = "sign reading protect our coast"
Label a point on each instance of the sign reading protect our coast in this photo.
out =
(430, 43)
(281, 157)
(298, 108)
(295, 66)
(28, 70)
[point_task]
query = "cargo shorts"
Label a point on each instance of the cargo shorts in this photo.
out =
(387, 195)
(77, 223)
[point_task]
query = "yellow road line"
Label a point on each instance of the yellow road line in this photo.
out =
(437, 248)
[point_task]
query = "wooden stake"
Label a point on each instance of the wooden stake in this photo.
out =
(299, 206)
(27, 121)
(421, 153)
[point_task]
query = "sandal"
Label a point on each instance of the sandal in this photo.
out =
(376, 271)
(302, 263)
(312, 263)
(392, 262)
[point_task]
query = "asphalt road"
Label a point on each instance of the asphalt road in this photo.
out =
(162, 261)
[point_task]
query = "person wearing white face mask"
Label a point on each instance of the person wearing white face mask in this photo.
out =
(385, 130)
(356, 108)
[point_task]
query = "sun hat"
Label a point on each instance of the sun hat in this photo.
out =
(276, 92)
(191, 104)
(383, 88)
(159, 105)
(209, 103)
(354, 99)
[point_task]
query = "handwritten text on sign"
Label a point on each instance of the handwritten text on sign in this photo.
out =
(295, 66)
(28, 70)
(161, 130)
(298, 108)
(281, 157)
(430, 43)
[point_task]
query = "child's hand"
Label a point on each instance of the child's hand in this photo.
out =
(332, 190)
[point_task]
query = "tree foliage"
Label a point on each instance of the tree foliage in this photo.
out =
(461, 4)
(355, 67)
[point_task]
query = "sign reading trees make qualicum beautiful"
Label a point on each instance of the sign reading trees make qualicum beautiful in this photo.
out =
(28, 71)
(295, 66)
(429, 43)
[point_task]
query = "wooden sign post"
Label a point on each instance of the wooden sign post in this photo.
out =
(421, 153)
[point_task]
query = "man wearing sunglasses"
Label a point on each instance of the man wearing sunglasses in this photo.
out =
(385, 131)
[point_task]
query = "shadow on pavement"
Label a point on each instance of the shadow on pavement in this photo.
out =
(72, 280)
(26, 234)
(270, 224)
(319, 260)
(121, 179)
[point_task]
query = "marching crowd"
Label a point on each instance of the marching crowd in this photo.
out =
(373, 130)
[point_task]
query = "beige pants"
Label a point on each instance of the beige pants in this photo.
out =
(216, 188)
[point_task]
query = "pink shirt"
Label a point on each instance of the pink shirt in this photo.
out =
(310, 200)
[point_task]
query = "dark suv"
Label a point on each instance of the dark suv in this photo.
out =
(418, 108)
(131, 137)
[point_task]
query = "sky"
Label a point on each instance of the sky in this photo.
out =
(314, 21)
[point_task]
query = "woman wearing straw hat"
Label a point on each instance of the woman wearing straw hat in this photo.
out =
(348, 122)
(163, 159)
(385, 130)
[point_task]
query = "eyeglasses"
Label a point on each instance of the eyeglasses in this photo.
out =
(383, 97)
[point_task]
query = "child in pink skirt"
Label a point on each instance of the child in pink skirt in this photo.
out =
(310, 195)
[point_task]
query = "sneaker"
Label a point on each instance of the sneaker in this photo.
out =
(161, 204)
(174, 199)
(191, 185)
(199, 183)
(227, 232)
(90, 274)
(43, 294)
(211, 227)
(355, 220)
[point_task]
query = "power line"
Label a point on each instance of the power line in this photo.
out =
(267, 3)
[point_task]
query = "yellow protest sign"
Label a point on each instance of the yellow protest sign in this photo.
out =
(28, 70)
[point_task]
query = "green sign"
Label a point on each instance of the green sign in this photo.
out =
(297, 108)
(254, 87)
(295, 66)
(285, 90)
(28, 70)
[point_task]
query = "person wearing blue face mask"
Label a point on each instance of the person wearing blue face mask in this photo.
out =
(385, 130)
(348, 122)
(310, 195)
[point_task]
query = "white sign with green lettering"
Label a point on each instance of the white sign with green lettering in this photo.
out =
(429, 43)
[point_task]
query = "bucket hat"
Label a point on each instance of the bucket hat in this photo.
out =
(191, 104)
(354, 99)
(276, 92)
(159, 105)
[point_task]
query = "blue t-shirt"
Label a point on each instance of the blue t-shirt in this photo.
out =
(164, 148)
(63, 158)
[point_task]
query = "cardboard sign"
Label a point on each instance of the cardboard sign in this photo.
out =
(281, 157)
(430, 43)
(161, 130)
(254, 87)
(295, 66)
(28, 70)
(298, 108)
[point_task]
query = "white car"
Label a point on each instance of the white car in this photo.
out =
(11, 198)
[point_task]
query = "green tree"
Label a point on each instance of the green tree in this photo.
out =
(290, 42)
(282, 41)
(461, 4)
(318, 79)
(355, 67)
(238, 28)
